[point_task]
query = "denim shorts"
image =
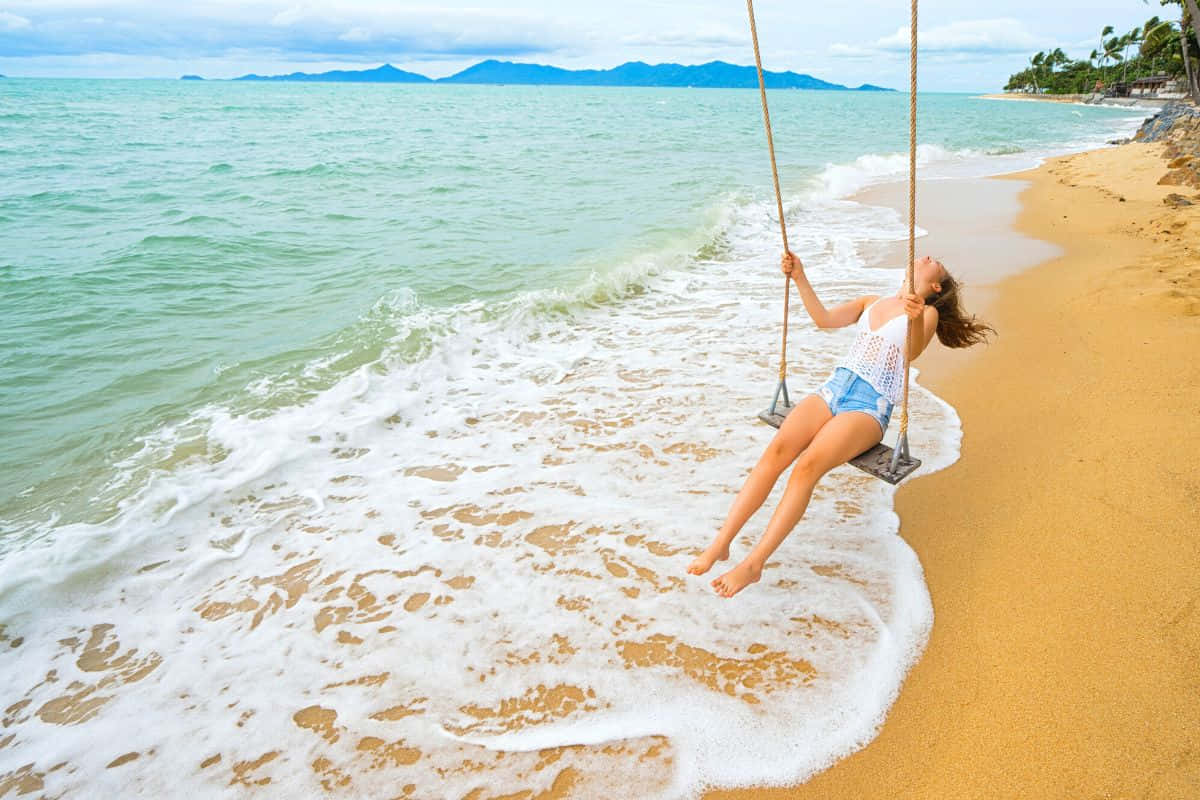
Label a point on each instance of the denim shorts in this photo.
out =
(846, 391)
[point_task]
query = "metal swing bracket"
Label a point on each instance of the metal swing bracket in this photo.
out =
(886, 463)
(776, 413)
(900, 453)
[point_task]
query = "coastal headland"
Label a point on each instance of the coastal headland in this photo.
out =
(1061, 551)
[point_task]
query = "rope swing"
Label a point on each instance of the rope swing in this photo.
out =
(883, 462)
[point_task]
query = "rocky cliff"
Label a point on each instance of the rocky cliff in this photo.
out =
(1178, 124)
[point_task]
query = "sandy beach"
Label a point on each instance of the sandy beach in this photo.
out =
(1061, 551)
(1127, 102)
(1044, 98)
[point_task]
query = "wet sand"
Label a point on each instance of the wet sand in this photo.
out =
(1062, 551)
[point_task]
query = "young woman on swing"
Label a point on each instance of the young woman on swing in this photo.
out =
(849, 413)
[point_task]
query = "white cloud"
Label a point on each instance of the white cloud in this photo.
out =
(982, 36)
(710, 36)
(350, 31)
(356, 35)
(11, 22)
(290, 16)
(840, 50)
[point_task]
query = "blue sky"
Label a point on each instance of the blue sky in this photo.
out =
(966, 46)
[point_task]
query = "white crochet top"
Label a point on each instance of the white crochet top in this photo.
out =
(877, 356)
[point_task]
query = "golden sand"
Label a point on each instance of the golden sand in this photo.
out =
(1062, 552)
(1045, 98)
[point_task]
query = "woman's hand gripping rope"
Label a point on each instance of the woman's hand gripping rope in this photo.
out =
(914, 305)
(790, 262)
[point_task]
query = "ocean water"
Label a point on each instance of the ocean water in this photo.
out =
(356, 438)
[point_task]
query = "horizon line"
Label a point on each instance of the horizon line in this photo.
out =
(389, 64)
(179, 79)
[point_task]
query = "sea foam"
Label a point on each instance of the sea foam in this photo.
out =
(455, 559)
(461, 563)
(463, 555)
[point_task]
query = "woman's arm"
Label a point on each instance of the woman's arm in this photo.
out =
(837, 317)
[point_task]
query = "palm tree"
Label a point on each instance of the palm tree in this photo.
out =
(1112, 49)
(1189, 13)
(1133, 37)
(1104, 53)
(1156, 37)
(1147, 27)
(1058, 58)
(1037, 61)
(1190, 16)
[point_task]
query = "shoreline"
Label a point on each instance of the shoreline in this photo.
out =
(1059, 549)
(1153, 103)
(973, 232)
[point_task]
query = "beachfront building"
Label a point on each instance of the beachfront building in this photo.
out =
(1159, 86)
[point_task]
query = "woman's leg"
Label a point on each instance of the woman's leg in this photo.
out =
(798, 429)
(838, 441)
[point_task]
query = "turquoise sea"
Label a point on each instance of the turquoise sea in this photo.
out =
(365, 398)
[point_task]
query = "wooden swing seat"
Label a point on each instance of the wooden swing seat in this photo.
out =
(877, 461)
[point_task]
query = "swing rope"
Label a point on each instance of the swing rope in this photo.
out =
(902, 441)
(912, 206)
(762, 93)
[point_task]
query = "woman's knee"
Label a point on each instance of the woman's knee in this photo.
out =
(810, 466)
(783, 449)
(775, 456)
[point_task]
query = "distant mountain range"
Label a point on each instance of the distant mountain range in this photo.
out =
(385, 74)
(713, 75)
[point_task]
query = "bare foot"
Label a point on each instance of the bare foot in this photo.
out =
(705, 560)
(737, 578)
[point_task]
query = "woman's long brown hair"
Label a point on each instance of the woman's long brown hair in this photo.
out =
(955, 327)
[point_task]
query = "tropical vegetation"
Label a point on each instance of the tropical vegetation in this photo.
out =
(1157, 47)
